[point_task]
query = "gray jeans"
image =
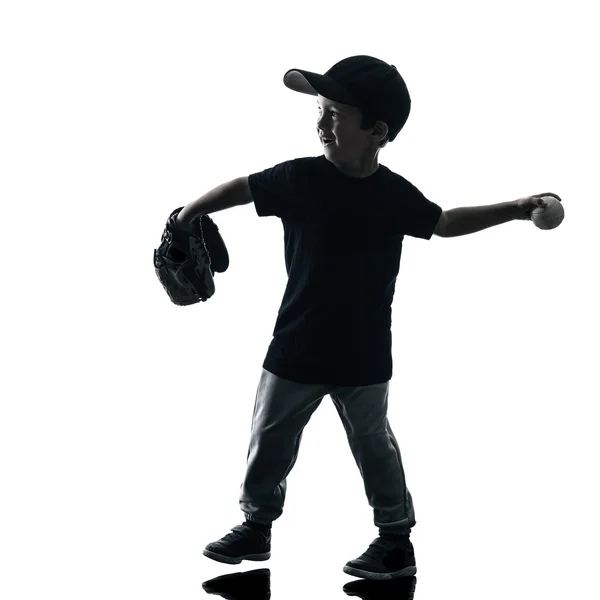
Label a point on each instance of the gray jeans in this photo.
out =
(282, 410)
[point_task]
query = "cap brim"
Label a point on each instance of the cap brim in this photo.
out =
(313, 84)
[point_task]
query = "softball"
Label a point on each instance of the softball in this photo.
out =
(550, 216)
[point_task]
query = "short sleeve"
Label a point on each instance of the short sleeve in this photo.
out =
(419, 216)
(272, 190)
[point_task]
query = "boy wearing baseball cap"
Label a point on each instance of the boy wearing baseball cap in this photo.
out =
(344, 217)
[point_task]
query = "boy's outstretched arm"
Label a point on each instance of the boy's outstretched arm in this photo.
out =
(469, 219)
(227, 195)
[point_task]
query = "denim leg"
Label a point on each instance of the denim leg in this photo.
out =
(281, 411)
(363, 411)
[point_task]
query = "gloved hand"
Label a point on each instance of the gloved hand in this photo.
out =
(186, 260)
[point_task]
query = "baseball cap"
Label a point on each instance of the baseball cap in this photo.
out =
(365, 82)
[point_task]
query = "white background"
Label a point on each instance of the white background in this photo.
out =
(125, 420)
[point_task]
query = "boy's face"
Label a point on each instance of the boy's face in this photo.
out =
(352, 148)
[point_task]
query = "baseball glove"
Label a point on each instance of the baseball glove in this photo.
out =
(186, 261)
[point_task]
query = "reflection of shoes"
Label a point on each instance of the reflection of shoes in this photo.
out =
(384, 560)
(251, 585)
(244, 543)
(390, 589)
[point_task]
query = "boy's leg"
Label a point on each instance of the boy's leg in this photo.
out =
(363, 411)
(281, 411)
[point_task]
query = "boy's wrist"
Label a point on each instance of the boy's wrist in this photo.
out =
(182, 222)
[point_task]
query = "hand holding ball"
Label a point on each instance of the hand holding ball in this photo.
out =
(549, 216)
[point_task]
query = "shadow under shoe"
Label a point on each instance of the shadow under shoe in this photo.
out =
(390, 589)
(251, 585)
(243, 543)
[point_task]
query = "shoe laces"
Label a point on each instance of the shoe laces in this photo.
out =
(242, 531)
(379, 547)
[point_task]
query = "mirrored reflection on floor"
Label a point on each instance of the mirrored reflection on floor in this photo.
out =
(256, 585)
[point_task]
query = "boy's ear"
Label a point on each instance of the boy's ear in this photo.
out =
(380, 130)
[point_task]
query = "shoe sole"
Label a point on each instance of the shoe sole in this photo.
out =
(231, 560)
(406, 572)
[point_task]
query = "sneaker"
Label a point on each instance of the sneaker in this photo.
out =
(384, 560)
(243, 543)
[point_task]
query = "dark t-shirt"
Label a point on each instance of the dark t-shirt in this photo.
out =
(343, 240)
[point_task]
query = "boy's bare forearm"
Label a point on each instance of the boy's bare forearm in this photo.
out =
(226, 195)
(469, 219)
